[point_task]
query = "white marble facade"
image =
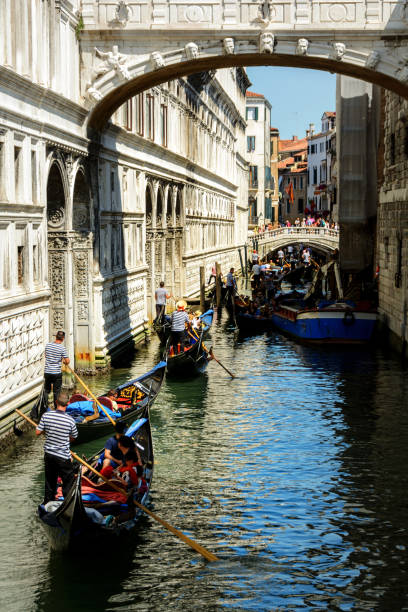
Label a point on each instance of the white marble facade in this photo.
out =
(89, 227)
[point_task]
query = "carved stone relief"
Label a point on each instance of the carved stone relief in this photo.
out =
(81, 274)
(112, 60)
(266, 42)
(191, 50)
(56, 275)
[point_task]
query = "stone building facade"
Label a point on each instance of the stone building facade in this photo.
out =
(392, 219)
(89, 227)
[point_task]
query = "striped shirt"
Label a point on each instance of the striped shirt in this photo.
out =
(59, 427)
(178, 319)
(54, 352)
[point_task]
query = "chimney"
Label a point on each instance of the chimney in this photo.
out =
(307, 133)
(294, 138)
(312, 127)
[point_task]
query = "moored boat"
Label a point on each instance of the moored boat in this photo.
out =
(133, 396)
(337, 322)
(253, 323)
(95, 513)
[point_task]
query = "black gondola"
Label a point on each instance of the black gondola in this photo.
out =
(252, 324)
(190, 362)
(133, 397)
(92, 513)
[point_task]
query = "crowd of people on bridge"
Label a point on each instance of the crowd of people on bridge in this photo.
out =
(308, 221)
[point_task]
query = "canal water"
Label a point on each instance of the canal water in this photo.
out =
(294, 474)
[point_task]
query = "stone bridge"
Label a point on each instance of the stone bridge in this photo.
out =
(128, 46)
(319, 238)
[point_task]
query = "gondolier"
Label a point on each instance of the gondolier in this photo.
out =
(55, 355)
(59, 429)
(179, 319)
(231, 285)
(161, 296)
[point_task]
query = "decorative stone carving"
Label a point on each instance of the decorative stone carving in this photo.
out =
(81, 218)
(228, 46)
(339, 50)
(93, 94)
(113, 60)
(266, 13)
(266, 42)
(82, 310)
(402, 72)
(56, 275)
(302, 46)
(55, 216)
(81, 274)
(373, 59)
(191, 50)
(122, 12)
(156, 60)
(58, 319)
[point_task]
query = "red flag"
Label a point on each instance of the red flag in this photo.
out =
(290, 192)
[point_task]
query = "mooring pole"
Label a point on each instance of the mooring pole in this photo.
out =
(242, 265)
(217, 284)
(246, 260)
(202, 288)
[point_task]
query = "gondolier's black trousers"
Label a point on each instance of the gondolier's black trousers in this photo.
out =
(54, 467)
(178, 337)
(56, 381)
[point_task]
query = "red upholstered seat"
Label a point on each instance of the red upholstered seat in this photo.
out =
(105, 401)
(78, 397)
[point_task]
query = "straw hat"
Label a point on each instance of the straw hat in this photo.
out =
(198, 313)
(181, 304)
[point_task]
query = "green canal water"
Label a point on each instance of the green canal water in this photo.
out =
(294, 474)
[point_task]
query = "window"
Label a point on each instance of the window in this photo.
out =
(36, 266)
(149, 116)
(300, 205)
(300, 182)
(321, 147)
(20, 265)
(392, 149)
(268, 178)
(163, 125)
(272, 147)
(294, 183)
(386, 251)
(314, 175)
(139, 115)
(252, 113)
(127, 115)
(18, 171)
(250, 143)
(34, 178)
(253, 176)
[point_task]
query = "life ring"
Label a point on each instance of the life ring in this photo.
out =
(349, 317)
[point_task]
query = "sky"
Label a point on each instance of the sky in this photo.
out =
(298, 96)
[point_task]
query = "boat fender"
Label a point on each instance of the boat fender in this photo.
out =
(349, 317)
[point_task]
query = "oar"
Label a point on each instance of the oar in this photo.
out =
(92, 395)
(203, 551)
(210, 352)
(217, 360)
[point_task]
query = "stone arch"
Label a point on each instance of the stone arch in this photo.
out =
(81, 212)
(160, 209)
(367, 58)
(57, 194)
(149, 204)
(179, 211)
(169, 207)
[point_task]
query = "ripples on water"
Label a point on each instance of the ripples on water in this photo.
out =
(294, 474)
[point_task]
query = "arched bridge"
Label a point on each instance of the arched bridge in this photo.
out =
(128, 46)
(319, 238)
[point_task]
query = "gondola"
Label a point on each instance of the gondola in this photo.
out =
(190, 362)
(95, 514)
(133, 396)
(163, 327)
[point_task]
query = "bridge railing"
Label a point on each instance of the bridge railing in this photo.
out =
(296, 233)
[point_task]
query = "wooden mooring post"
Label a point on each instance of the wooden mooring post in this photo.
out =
(202, 288)
(246, 260)
(217, 284)
(242, 264)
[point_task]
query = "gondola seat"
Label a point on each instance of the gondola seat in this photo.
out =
(78, 397)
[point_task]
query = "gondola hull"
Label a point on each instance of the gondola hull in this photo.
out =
(252, 324)
(187, 364)
(151, 382)
(70, 527)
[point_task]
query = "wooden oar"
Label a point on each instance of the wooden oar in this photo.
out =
(218, 361)
(92, 395)
(210, 352)
(200, 549)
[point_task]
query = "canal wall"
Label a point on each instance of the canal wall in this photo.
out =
(392, 223)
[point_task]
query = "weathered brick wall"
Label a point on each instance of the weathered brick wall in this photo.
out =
(392, 221)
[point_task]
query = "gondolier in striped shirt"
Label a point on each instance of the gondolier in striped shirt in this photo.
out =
(179, 319)
(55, 355)
(59, 429)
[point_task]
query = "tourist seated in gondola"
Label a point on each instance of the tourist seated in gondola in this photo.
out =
(196, 321)
(113, 456)
(131, 472)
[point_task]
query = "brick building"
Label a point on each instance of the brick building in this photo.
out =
(292, 167)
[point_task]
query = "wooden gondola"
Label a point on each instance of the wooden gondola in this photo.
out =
(252, 324)
(133, 397)
(163, 327)
(73, 524)
(190, 362)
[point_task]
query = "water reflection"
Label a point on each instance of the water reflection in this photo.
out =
(293, 473)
